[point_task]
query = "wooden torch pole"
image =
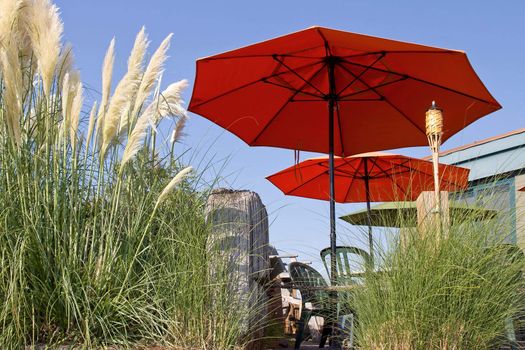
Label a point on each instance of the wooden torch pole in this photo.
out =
(434, 130)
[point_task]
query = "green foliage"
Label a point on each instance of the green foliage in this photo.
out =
(91, 254)
(450, 291)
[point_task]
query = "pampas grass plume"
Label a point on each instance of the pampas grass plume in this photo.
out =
(124, 92)
(181, 175)
(107, 72)
(179, 127)
(12, 76)
(91, 123)
(8, 16)
(45, 31)
(76, 106)
(151, 74)
(171, 101)
(65, 63)
(65, 100)
(137, 136)
(107, 76)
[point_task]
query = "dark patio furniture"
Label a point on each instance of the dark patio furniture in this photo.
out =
(312, 287)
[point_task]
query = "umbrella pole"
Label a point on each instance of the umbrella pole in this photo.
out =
(333, 237)
(369, 214)
(331, 106)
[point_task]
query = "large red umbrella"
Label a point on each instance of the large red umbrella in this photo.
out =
(336, 92)
(368, 177)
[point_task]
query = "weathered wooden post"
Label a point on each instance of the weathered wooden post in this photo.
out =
(432, 217)
(240, 230)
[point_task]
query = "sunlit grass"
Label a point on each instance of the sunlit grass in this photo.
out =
(103, 236)
(457, 290)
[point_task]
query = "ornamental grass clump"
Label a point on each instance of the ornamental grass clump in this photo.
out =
(460, 290)
(103, 238)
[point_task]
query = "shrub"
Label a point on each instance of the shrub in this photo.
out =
(103, 239)
(451, 291)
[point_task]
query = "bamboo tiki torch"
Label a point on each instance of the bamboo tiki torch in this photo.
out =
(434, 129)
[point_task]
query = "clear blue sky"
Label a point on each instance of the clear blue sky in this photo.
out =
(491, 32)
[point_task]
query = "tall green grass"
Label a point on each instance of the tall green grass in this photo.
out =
(103, 237)
(452, 291)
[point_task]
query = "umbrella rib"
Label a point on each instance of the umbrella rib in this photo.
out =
(347, 163)
(249, 84)
(291, 88)
(352, 100)
(388, 102)
(425, 82)
(282, 108)
(304, 183)
(443, 178)
(443, 51)
(276, 58)
(372, 168)
(383, 54)
(328, 51)
(386, 174)
(351, 183)
(372, 88)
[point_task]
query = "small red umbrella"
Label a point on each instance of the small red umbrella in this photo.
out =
(368, 177)
(336, 92)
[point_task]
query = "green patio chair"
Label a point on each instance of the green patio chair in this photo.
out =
(305, 277)
(351, 264)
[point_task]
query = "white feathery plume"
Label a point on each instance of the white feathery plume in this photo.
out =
(136, 58)
(178, 130)
(151, 74)
(124, 92)
(65, 101)
(173, 137)
(45, 32)
(65, 63)
(107, 75)
(135, 64)
(107, 72)
(135, 140)
(173, 183)
(12, 96)
(91, 123)
(170, 101)
(24, 43)
(76, 106)
(8, 18)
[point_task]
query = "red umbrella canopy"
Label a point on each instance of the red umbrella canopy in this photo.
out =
(391, 177)
(276, 93)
